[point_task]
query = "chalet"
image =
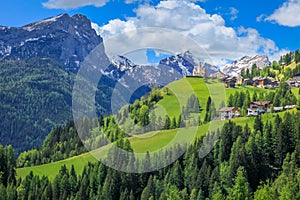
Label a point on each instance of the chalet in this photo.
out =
(282, 108)
(267, 82)
(259, 107)
(256, 81)
(229, 113)
(294, 82)
(291, 83)
(229, 81)
(239, 80)
(247, 81)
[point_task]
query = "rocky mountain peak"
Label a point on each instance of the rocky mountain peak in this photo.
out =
(46, 22)
(185, 63)
(122, 63)
(246, 62)
(63, 38)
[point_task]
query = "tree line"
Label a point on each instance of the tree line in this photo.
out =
(282, 96)
(259, 162)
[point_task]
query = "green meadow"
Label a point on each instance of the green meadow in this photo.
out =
(179, 91)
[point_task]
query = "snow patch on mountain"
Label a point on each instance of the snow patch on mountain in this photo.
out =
(122, 63)
(246, 62)
(184, 63)
(36, 25)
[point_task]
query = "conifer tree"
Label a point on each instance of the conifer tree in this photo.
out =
(241, 189)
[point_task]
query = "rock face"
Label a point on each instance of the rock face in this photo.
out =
(65, 39)
(185, 63)
(122, 63)
(210, 69)
(246, 62)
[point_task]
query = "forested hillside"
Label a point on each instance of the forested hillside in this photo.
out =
(35, 92)
(259, 162)
(61, 143)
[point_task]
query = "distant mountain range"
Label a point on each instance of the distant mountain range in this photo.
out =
(246, 62)
(36, 99)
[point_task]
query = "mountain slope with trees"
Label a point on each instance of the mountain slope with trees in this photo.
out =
(35, 96)
(246, 163)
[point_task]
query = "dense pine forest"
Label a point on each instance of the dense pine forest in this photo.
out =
(259, 162)
(35, 97)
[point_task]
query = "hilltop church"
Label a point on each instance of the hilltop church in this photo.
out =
(199, 70)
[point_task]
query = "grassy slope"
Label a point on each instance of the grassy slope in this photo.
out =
(292, 65)
(156, 140)
(182, 90)
(149, 142)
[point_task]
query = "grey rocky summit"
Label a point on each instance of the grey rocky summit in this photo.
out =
(246, 62)
(67, 40)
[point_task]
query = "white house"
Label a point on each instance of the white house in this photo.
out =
(258, 107)
(229, 113)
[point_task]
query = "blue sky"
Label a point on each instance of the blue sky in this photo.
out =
(232, 28)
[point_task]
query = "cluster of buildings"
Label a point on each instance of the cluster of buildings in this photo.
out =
(262, 82)
(232, 81)
(294, 82)
(255, 108)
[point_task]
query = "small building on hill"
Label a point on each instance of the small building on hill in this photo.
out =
(294, 82)
(229, 113)
(239, 80)
(247, 81)
(259, 107)
(199, 71)
(267, 82)
(229, 81)
(232, 81)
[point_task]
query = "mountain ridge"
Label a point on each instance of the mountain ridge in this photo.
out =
(246, 62)
(63, 38)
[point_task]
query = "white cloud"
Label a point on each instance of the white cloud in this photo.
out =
(234, 13)
(209, 31)
(287, 14)
(116, 26)
(260, 18)
(71, 4)
(277, 54)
